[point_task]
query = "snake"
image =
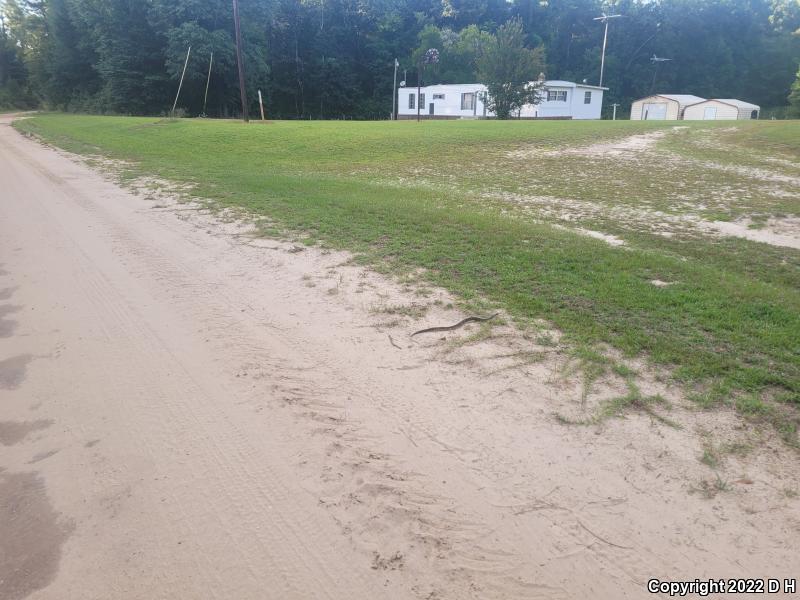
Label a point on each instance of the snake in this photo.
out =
(461, 323)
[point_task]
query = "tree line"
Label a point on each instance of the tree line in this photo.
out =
(335, 58)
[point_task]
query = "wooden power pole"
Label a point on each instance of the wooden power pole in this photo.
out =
(239, 60)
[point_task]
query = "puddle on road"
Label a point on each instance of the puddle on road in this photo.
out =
(7, 309)
(13, 432)
(7, 326)
(31, 536)
(12, 371)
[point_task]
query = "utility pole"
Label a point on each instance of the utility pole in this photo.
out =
(394, 91)
(656, 60)
(604, 19)
(239, 60)
(614, 116)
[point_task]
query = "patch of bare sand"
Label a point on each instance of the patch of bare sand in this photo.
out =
(783, 232)
(611, 240)
(755, 173)
(775, 232)
(629, 146)
(661, 283)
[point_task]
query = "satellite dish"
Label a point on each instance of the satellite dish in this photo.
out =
(403, 83)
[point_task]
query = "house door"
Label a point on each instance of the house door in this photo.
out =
(430, 108)
(710, 113)
(654, 111)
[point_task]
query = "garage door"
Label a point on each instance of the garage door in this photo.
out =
(710, 113)
(654, 111)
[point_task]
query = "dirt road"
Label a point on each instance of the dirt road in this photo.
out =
(190, 413)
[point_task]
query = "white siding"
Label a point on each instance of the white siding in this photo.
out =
(710, 110)
(582, 110)
(721, 109)
(745, 110)
(640, 110)
(668, 107)
(573, 106)
(450, 105)
(749, 113)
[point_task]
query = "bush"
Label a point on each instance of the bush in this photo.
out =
(14, 96)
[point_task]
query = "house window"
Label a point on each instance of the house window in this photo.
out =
(556, 95)
(587, 97)
(438, 96)
(422, 100)
(411, 101)
(468, 101)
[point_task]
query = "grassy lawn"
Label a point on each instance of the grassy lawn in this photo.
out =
(489, 209)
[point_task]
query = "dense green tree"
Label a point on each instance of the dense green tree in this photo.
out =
(13, 74)
(786, 15)
(508, 69)
(67, 75)
(458, 52)
(21, 36)
(335, 58)
(129, 54)
(208, 28)
(794, 98)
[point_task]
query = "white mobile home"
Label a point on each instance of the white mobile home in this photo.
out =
(442, 101)
(662, 107)
(562, 100)
(721, 109)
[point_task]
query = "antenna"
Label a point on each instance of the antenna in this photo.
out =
(656, 60)
(605, 17)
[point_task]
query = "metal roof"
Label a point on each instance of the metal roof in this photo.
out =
(681, 98)
(548, 83)
(562, 83)
(737, 103)
(446, 86)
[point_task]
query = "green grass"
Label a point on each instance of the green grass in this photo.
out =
(435, 195)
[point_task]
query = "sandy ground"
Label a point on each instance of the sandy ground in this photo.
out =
(188, 412)
(641, 148)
